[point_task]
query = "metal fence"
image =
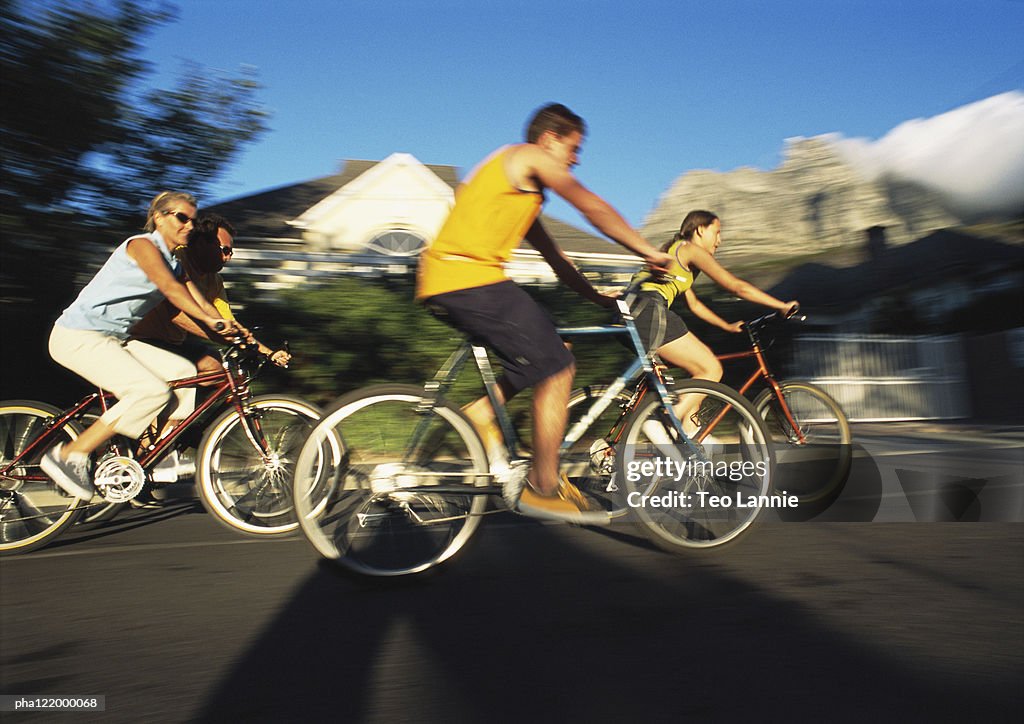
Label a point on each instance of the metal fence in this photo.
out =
(881, 377)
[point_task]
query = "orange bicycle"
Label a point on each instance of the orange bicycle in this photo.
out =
(809, 432)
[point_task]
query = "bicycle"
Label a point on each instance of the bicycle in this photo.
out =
(243, 461)
(394, 479)
(809, 432)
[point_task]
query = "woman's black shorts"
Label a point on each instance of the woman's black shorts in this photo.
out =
(656, 324)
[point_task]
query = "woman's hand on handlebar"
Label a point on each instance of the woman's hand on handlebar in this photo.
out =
(734, 327)
(790, 309)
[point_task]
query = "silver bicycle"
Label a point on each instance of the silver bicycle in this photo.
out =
(394, 479)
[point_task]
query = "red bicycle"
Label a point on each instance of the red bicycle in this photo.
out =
(243, 464)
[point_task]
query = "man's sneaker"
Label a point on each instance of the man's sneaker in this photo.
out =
(569, 505)
(71, 475)
(175, 465)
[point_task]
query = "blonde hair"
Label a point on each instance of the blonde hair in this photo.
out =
(162, 201)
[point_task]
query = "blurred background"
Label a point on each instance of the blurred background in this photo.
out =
(865, 156)
(861, 162)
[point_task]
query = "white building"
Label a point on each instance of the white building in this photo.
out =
(373, 219)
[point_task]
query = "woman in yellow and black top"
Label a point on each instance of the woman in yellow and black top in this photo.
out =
(661, 329)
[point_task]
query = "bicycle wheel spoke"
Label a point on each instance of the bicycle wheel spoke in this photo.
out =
(19, 511)
(246, 487)
(703, 495)
(33, 511)
(378, 508)
(812, 440)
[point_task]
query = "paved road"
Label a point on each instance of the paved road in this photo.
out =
(174, 619)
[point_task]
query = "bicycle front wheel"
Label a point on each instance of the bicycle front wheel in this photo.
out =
(244, 487)
(812, 440)
(32, 511)
(390, 484)
(692, 498)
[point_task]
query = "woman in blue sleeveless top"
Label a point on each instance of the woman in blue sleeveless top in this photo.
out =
(91, 338)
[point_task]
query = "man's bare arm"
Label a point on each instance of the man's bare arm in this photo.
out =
(563, 267)
(594, 209)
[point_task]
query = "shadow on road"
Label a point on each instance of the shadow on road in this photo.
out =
(126, 520)
(531, 627)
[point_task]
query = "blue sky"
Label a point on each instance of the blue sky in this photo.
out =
(665, 86)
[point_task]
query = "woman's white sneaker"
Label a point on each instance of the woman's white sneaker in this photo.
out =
(71, 475)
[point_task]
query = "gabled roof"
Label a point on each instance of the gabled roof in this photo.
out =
(266, 214)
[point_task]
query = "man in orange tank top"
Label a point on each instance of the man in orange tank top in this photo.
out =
(462, 277)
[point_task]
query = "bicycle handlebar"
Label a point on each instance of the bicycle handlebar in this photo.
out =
(793, 314)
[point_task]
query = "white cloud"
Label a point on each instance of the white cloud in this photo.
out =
(974, 155)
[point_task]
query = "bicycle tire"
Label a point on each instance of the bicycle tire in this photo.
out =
(363, 489)
(711, 499)
(32, 513)
(239, 487)
(820, 470)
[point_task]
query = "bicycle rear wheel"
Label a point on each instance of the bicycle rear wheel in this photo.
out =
(688, 500)
(812, 442)
(242, 488)
(388, 484)
(32, 512)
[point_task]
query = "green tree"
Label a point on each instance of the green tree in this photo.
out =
(350, 332)
(81, 134)
(85, 146)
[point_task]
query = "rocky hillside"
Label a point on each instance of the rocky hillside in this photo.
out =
(813, 203)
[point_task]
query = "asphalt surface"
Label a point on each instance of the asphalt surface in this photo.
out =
(173, 618)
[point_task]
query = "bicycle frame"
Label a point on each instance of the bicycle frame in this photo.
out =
(234, 389)
(762, 371)
(643, 366)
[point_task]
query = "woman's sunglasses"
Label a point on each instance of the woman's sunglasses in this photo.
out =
(180, 216)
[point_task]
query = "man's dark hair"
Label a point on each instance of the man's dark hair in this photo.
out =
(221, 223)
(556, 118)
(203, 252)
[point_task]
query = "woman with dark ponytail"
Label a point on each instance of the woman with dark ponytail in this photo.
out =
(693, 251)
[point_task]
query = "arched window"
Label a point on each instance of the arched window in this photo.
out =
(396, 242)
